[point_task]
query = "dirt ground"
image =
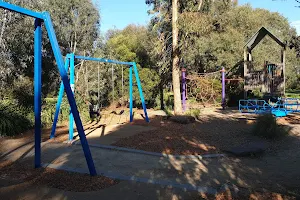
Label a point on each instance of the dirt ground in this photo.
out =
(214, 132)
(59, 179)
(217, 131)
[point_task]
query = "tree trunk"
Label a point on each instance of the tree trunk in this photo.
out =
(175, 60)
(86, 74)
(3, 26)
(200, 4)
(161, 92)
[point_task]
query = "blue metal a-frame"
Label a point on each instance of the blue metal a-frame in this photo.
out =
(70, 61)
(45, 18)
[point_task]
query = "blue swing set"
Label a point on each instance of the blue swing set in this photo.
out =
(70, 63)
(66, 85)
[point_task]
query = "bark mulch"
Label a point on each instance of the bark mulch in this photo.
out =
(170, 138)
(68, 181)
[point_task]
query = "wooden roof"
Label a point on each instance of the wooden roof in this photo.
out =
(259, 35)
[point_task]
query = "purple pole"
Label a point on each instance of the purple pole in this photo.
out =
(223, 88)
(183, 70)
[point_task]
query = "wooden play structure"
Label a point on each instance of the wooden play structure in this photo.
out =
(271, 80)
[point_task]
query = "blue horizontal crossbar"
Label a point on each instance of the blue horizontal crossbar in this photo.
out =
(21, 10)
(103, 60)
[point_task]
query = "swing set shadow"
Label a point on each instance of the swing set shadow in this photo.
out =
(91, 130)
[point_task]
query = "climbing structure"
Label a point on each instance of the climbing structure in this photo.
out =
(271, 80)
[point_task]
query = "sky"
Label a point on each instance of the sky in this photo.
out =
(285, 7)
(120, 13)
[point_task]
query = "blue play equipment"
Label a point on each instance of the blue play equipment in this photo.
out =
(281, 108)
(70, 63)
(44, 18)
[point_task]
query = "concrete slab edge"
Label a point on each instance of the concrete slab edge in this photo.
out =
(115, 148)
(207, 190)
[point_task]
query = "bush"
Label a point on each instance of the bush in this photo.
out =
(14, 119)
(168, 101)
(194, 113)
(49, 106)
(17, 116)
(23, 92)
(234, 92)
(267, 127)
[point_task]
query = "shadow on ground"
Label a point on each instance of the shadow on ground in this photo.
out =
(273, 172)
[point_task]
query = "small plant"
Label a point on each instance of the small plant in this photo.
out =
(168, 100)
(256, 93)
(168, 111)
(194, 113)
(267, 127)
(49, 106)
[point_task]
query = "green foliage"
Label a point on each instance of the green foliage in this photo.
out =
(169, 111)
(49, 106)
(267, 127)
(293, 93)
(194, 113)
(211, 33)
(22, 92)
(14, 119)
(228, 30)
(130, 45)
(76, 23)
(234, 92)
(256, 93)
(168, 99)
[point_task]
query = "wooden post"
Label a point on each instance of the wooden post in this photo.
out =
(283, 67)
(245, 71)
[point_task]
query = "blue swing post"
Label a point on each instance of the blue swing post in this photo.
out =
(37, 91)
(130, 94)
(59, 101)
(137, 78)
(71, 99)
(72, 83)
(39, 18)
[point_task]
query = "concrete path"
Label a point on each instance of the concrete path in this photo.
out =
(206, 175)
(125, 190)
(185, 173)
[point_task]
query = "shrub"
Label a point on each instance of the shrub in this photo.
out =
(23, 92)
(267, 127)
(14, 119)
(168, 111)
(194, 113)
(234, 92)
(168, 101)
(49, 106)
